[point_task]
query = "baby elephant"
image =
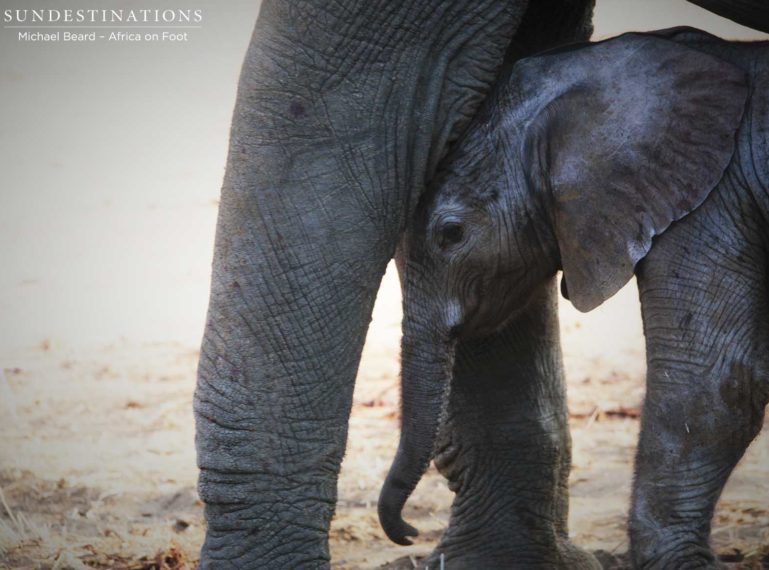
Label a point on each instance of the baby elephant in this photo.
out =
(646, 154)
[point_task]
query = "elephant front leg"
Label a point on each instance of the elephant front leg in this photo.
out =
(506, 450)
(274, 393)
(707, 387)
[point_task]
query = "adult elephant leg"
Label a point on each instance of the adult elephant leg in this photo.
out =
(341, 108)
(505, 449)
(706, 316)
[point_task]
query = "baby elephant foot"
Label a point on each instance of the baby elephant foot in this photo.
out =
(684, 564)
(497, 557)
(656, 551)
(701, 559)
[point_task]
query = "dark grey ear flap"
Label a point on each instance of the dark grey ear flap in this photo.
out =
(637, 140)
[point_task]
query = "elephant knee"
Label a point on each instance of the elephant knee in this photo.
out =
(451, 459)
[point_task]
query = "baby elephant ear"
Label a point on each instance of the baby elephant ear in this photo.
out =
(640, 137)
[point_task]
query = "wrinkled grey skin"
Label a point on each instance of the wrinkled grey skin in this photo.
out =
(343, 110)
(578, 159)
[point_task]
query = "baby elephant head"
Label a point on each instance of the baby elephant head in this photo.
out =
(576, 161)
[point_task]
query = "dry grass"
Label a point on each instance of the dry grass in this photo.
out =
(18, 530)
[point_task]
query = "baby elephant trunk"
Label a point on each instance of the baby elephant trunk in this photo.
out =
(427, 359)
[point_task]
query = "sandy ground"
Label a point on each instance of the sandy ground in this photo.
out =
(98, 463)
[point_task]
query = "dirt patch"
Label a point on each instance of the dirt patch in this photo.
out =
(97, 463)
(53, 524)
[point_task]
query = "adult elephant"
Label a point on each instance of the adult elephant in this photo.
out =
(343, 110)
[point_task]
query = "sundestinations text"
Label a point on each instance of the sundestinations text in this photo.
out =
(102, 16)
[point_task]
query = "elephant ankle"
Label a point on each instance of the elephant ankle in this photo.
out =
(473, 552)
(690, 558)
(263, 549)
(669, 548)
(264, 536)
(528, 512)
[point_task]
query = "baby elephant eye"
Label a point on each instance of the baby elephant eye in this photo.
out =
(451, 233)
